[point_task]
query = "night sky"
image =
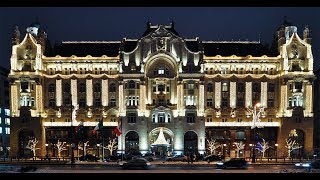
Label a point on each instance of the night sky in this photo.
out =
(115, 23)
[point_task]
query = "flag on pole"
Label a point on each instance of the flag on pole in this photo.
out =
(79, 126)
(259, 146)
(117, 130)
(98, 126)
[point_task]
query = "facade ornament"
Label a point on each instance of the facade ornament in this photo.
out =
(248, 112)
(74, 113)
(104, 112)
(58, 113)
(89, 113)
(233, 113)
(218, 113)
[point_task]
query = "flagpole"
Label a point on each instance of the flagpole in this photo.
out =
(103, 147)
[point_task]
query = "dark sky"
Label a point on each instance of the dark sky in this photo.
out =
(115, 23)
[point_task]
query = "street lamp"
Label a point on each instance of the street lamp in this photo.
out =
(98, 150)
(224, 151)
(47, 157)
(276, 152)
(255, 120)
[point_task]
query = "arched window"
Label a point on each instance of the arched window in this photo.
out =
(112, 87)
(82, 88)
(132, 85)
(169, 118)
(210, 87)
(66, 88)
(153, 118)
(52, 87)
(97, 87)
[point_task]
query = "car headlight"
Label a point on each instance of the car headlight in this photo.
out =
(148, 164)
(305, 165)
(297, 164)
(220, 163)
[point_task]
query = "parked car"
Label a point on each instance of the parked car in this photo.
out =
(135, 163)
(89, 157)
(114, 158)
(234, 163)
(177, 158)
(309, 165)
(149, 156)
(212, 157)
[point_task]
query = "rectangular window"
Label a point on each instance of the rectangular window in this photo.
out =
(7, 130)
(191, 118)
(113, 102)
(52, 119)
(224, 119)
(160, 87)
(161, 118)
(132, 118)
(209, 118)
(7, 121)
(0, 120)
(0, 130)
(67, 120)
(113, 118)
(209, 102)
(168, 88)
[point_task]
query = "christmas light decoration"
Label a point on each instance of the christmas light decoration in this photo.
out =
(248, 94)
(89, 92)
(58, 92)
(14, 100)
(217, 94)
(104, 92)
(264, 95)
(201, 100)
(233, 94)
(74, 92)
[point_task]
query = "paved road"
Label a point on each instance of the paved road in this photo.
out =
(155, 169)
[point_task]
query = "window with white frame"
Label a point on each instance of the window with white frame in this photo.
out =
(7, 121)
(7, 130)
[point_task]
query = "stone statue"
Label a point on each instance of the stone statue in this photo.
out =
(74, 113)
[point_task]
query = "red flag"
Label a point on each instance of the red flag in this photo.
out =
(117, 130)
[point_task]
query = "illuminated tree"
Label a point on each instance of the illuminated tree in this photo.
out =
(112, 145)
(32, 145)
(291, 145)
(291, 142)
(212, 146)
(263, 147)
(84, 147)
(239, 147)
(60, 147)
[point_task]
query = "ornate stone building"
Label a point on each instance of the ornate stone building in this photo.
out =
(192, 90)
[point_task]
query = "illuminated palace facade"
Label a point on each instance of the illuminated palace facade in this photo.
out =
(190, 89)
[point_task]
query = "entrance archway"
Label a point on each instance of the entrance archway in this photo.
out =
(190, 142)
(162, 148)
(132, 142)
(24, 137)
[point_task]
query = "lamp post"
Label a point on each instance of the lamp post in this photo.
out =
(276, 152)
(255, 119)
(98, 145)
(224, 151)
(47, 157)
(73, 116)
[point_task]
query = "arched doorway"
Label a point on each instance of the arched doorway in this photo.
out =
(161, 146)
(190, 142)
(24, 137)
(132, 142)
